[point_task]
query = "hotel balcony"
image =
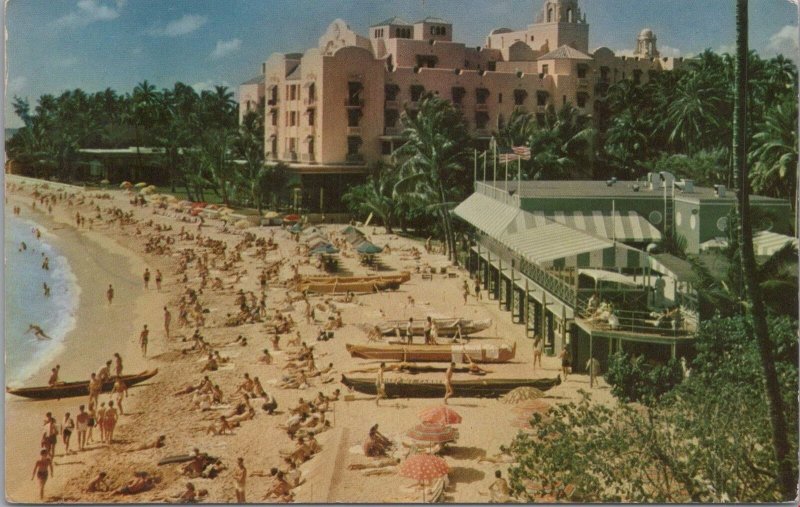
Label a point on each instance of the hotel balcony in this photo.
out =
(482, 107)
(392, 131)
(353, 102)
(354, 158)
(583, 83)
(290, 156)
(391, 104)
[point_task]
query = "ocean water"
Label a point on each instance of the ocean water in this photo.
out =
(25, 302)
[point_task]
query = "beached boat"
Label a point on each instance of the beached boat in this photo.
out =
(478, 352)
(73, 389)
(445, 327)
(356, 285)
(429, 388)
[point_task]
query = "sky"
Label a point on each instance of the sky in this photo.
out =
(55, 45)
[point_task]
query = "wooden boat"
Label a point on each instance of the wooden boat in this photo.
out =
(73, 389)
(429, 388)
(356, 285)
(445, 327)
(479, 353)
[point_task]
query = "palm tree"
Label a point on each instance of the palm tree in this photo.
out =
(434, 158)
(376, 196)
(774, 155)
(697, 113)
(142, 113)
(786, 478)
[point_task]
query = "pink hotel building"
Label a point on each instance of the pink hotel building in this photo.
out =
(334, 110)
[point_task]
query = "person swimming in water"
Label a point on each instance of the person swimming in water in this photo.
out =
(38, 332)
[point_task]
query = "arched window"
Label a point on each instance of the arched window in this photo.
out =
(569, 16)
(549, 14)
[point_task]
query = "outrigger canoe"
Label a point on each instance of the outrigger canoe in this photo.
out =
(354, 284)
(424, 388)
(73, 389)
(444, 327)
(479, 353)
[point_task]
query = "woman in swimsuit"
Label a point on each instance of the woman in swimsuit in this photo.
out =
(110, 422)
(41, 470)
(92, 422)
(101, 421)
(66, 432)
(119, 391)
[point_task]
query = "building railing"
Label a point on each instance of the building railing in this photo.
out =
(640, 322)
(290, 155)
(583, 82)
(392, 131)
(353, 102)
(539, 276)
(482, 108)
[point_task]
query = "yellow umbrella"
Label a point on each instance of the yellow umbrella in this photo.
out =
(141, 184)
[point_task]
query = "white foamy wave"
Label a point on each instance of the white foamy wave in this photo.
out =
(59, 313)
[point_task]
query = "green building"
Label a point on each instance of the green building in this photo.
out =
(563, 256)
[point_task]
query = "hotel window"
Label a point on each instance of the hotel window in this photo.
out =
(438, 30)
(416, 92)
(353, 117)
(481, 120)
(311, 147)
(274, 146)
(458, 94)
(292, 118)
(354, 89)
(312, 92)
(390, 117)
(274, 115)
(311, 118)
(604, 74)
(541, 98)
(353, 145)
(386, 148)
(582, 70)
(292, 144)
(540, 119)
(481, 94)
(273, 95)
(581, 99)
(391, 91)
(499, 98)
(637, 76)
(426, 61)
(545, 69)
(491, 66)
(519, 97)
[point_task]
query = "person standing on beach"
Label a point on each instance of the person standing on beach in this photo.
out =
(110, 422)
(143, 336)
(448, 382)
(167, 320)
(537, 351)
(380, 386)
(67, 427)
(82, 422)
(146, 278)
(95, 387)
(50, 434)
(110, 294)
(566, 358)
(117, 364)
(119, 391)
(41, 469)
(240, 480)
(159, 277)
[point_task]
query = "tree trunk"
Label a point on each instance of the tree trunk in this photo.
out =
(780, 442)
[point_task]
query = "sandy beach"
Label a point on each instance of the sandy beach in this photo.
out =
(112, 254)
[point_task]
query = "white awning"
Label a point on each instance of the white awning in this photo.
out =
(622, 227)
(765, 243)
(609, 276)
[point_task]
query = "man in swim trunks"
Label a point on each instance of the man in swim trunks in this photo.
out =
(240, 480)
(143, 337)
(82, 423)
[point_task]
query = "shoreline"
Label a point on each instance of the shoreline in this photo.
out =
(95, 261)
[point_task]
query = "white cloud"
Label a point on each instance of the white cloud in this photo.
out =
(186, 24)
(16, 85)
(209, 85)
(727, 48)
(90, 11)
(225, 47)
(785, 42)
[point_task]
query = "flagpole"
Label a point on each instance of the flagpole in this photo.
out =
(475, 169)
(506, 177)
(519, 177)
(485, 155)
(494, 162)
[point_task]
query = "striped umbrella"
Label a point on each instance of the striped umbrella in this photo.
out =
(423, 468)
(433, 433)
(440, 414)
(522, 394)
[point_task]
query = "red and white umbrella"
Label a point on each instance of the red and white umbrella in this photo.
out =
(423, 468)
(441, 414)
(433, 433)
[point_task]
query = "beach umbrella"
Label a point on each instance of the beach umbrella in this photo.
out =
(147, 191)
(531, 406)
(271, 214)
(440, 414)
(126, 184)
(242, 224)
(423, 468)
(141, 184)
(324, 249)
(433, 433)
(522, 394)
(368, 248)
(105, 182)
(296, 228)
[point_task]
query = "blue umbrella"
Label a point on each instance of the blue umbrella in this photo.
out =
(368, 248)
(325, 249)
(296, 228)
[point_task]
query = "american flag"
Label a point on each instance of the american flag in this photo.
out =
(513, 154)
